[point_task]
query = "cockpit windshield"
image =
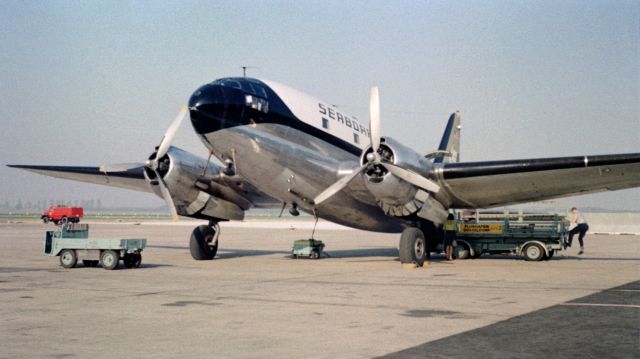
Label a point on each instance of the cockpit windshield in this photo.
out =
(250, 86)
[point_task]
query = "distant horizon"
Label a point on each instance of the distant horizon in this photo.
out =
(19, 207)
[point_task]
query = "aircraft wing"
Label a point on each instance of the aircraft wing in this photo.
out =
(129, 177)
(498, 183)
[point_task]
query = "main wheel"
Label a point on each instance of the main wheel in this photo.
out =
(203, 244)
(68, 258)
(109, 259)
(412, 246)
(533, 252)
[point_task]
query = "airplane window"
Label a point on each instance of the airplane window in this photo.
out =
(356, 138)
(325, 123)
(231, 83)
(257, 88)
(261, 91)
(248, 87)
(256, 103)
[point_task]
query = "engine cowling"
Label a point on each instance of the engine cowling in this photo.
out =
(394, 195)
(191, 187)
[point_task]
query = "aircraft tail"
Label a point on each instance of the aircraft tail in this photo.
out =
(450, 143)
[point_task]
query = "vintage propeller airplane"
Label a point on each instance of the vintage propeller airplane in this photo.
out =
(280, 147)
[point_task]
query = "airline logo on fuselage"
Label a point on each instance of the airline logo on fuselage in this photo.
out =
(331, 114)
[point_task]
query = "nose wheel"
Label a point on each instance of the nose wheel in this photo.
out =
(203, 244)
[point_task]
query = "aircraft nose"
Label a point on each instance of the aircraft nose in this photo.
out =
(214, 107)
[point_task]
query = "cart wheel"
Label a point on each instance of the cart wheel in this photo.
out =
(461, 251)
(128, 260)
(109, 259)
(68, 258)
(137, 260)
(314, 255)
(45, 220)
(294, 256)
(533, 252)
(551, 253)
(64, 220)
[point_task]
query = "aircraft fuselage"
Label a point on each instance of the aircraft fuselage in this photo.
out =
(289, 145)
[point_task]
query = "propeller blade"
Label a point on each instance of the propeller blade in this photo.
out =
(171, 133)
(337, 186)
(374, 119)
(167, 197)
(413, 178)
(119, 167)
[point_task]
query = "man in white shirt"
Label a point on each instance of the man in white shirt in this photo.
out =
(581, 227)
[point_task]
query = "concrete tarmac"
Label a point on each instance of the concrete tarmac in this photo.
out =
(253, 301)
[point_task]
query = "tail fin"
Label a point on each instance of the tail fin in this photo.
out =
(450, 143)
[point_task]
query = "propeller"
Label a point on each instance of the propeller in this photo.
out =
(374, 158)
(162, 149)
(119, 167)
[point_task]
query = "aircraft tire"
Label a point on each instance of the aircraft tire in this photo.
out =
(412, 246)
(199, 244)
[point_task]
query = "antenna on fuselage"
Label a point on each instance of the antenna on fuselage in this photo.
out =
(244, 69)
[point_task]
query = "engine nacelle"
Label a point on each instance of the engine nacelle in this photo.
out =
(189, 185)
(394, 195)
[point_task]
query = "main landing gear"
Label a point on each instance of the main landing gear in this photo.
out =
(204, 241)
(413, 246)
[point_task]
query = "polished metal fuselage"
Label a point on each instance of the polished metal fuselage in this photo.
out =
(293, 166)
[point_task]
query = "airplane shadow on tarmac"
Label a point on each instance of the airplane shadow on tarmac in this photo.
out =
(227, 253)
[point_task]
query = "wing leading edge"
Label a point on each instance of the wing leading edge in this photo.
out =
(130, 178)
(498, 183)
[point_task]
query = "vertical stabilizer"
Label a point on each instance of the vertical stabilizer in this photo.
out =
(450, 143)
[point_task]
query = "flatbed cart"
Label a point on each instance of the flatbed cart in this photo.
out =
(71, 241)
(534, 236)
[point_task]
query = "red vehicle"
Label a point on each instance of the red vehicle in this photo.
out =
(62, 214)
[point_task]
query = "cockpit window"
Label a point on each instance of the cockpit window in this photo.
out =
(248, 85)
(231, 83)
(257, 103)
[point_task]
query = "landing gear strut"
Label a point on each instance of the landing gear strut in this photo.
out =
(413, 246)
(204, 241)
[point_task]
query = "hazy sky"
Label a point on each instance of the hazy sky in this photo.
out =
(86, 83)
